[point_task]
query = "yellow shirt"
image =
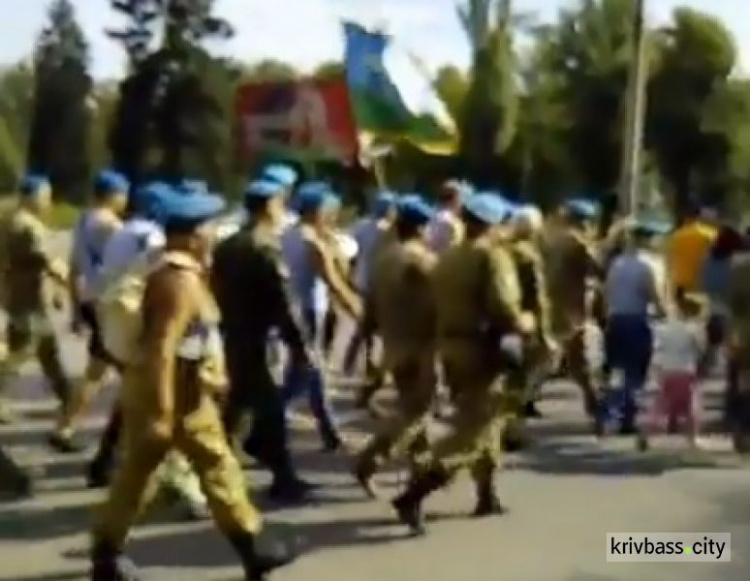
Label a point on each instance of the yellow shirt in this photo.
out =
(686, 253)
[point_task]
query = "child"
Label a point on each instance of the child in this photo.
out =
(680, 345)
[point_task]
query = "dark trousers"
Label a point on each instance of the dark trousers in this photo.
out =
(11, 474)
(311, 383)
(253, 392)
(628, 342)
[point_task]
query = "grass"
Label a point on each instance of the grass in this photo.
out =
(62, 216)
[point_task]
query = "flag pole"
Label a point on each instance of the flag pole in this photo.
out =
(630, 174)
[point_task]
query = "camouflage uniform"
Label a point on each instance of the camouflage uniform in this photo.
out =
(404, 310)
(571, 265)
(28, 301)
(524, 379)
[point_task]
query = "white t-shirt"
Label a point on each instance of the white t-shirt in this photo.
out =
(679, 345)
(136, 238)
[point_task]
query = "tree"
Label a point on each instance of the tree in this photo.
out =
(58, 142)
(587, 52)
(16, 101)
(452, 86)
(330, 70)
(167, 113)
(697, 56)
(489, 115)
(270, 70)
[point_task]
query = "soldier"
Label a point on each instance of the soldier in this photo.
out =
(169, 392)
(402, 303)
(366, 232)
(251, 259)
(478, 306)
(93, 231)
(573, 264)
(29, 273)
(523, 383)
(318, 284)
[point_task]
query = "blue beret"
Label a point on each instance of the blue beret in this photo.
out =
(488, 208)
(263, 189)
(32, 184)
(148, 200)
(312, 196)
(582, 208)
(111, 182)
(178, 206)
(279, 173)
(413, 209)
(383, 204)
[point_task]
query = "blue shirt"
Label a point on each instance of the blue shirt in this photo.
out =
(308, 289)
(630, 286)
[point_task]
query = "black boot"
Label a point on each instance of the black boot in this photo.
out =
(408, 505)
(487, 502)
(109, 564)
(256, 561)
(97, 475)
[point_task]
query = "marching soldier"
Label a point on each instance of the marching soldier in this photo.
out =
(572, 264)
(524, 379)
(478, 306)
(34, 283)
(251, 259)
(401, 301)
(366, 234)
(169, 401)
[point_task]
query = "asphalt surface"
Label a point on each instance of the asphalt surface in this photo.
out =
(564, 495)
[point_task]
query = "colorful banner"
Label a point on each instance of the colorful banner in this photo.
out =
(308, 119)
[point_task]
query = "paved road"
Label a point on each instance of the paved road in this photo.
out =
(564, 495)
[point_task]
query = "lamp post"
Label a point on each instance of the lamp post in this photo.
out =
(630, 173)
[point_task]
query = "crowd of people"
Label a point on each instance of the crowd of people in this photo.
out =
(216, 323)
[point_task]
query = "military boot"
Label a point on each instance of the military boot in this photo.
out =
(109, 564)
(256, 561)
(408, 505)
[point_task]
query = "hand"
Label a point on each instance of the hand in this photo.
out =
(161, 430)
(526, 324)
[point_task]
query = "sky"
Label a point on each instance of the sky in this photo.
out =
(306, 32)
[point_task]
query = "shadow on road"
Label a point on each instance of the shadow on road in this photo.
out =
(50, 523)
(574, 459)
(206, 549)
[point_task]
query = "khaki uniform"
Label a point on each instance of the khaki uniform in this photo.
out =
(175, 302)
(29, 295)
(523, 379)
(571, 265)
(478, 301)
(404, 311)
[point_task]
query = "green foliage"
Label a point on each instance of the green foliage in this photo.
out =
(538, 124)
(488, 118)
(58, 141)
(693, 110)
